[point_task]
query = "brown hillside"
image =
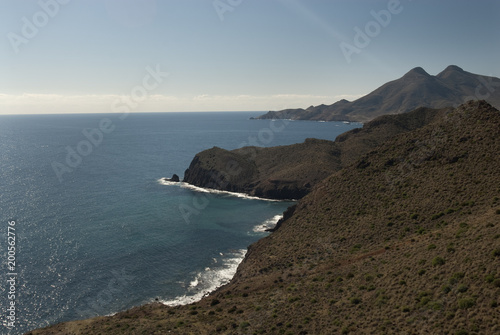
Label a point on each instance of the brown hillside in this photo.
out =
(406, 240)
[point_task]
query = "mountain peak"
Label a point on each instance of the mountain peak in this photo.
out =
(451, 71)
(453, 68)
(417, 71)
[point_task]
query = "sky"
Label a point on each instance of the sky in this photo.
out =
(100, 56)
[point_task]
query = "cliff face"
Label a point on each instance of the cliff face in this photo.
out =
(405, 239)
(286, 172)
(451, 87)
(290, 172)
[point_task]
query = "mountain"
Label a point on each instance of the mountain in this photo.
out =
(417, 88)
(404, 240)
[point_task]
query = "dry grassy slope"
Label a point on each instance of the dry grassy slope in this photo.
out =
(405, 241)
(359, 141)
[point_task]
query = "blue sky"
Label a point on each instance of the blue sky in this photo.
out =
(85, 55)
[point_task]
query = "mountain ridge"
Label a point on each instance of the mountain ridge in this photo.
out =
(450, 88)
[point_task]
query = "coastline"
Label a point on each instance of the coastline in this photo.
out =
(185, 185)
(210, 280)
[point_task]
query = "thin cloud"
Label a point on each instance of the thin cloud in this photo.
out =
(37, 103)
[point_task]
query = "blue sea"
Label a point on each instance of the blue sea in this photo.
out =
(96, 229)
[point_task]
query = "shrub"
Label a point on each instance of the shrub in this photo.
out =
(496, 252)
(466, 303)
(462, 288)
(438, 261)
(437, 216)
(446, 289)
(436, 305)
(355, 300)
(489, 278)
(431, 246)
(456, 277)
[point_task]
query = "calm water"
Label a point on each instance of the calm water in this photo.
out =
(97, 232)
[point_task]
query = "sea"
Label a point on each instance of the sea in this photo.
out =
(88, 226)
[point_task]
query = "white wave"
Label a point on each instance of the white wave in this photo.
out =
(212, 190)
(268, 224)
(195, 282)
(166, 182)
(209, 280)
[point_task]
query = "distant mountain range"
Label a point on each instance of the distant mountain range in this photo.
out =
(417, 88)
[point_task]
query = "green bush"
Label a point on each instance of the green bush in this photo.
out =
(466, 303)
(437, 216)
(489, 278)
(438, 261)
(446, 289)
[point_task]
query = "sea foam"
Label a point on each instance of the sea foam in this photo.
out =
(268, 224)
(194, 188)
(210, 279)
